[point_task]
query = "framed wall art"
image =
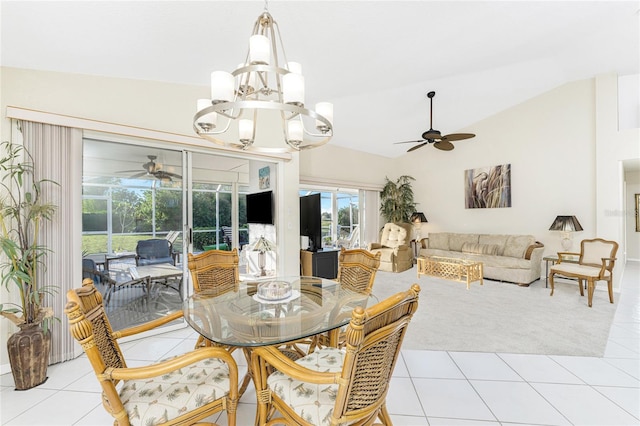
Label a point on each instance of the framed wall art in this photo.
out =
(487, 187)
(264, 177)
(637, 212)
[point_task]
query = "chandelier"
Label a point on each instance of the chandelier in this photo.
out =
(262, 101)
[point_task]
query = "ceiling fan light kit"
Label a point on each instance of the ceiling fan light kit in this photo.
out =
(435, 137)
(263, 100)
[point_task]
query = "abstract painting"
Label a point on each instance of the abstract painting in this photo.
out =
(487, 187)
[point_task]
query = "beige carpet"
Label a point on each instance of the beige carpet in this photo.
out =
(502, 317)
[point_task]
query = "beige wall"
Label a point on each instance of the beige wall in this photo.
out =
(632, 180)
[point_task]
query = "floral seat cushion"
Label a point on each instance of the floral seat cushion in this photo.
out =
(154, 401)
(311, 401)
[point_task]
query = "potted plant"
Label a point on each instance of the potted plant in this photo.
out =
(396, 200)
(22, 213)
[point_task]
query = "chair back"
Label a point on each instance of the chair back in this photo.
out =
(373, 340)
(394, 235)
(91, 328)
(215, 271)
(593, 251)
(357, 269)
(90, 270)
(154, 251)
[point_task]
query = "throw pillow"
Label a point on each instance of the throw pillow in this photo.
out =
(490, 249)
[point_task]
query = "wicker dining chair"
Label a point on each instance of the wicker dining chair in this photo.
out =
(333, 386)
(216, 272)
(182, 390)
(356, 272)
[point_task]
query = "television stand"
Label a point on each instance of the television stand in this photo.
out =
(321, 263)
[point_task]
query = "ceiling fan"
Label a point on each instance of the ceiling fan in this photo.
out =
(435, 137)
(151, 168)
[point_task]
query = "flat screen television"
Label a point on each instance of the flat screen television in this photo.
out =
(311, 220)
(260, 208)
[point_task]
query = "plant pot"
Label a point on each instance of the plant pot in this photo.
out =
(29, 350)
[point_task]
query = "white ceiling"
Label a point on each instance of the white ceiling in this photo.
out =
(375, 60)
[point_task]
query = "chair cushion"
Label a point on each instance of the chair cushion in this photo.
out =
(312, 402)
(574, 268)
(393, 235)
(157, 400)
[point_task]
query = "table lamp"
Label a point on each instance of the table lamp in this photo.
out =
(417, 218)
(566, 225)
(262, 246)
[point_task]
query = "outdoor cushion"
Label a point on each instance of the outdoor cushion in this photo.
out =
(312, 402)
(157, 400)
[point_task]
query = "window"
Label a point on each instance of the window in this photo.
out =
(340, 216)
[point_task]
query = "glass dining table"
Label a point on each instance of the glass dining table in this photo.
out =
(245, 320)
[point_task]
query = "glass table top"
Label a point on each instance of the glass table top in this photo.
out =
(242, 318)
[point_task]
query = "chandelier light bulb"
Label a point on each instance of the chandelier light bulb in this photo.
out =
(222, 86)
(245, 131)
(295, 131)
(325, 109)
(207, 121)
(259, 49)
(293, 89)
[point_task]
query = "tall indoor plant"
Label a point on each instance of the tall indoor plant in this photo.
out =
(396, 200)
(22, 213)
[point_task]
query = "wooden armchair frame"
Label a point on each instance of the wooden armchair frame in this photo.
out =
(595, 263)
(360, 383)
(90, 326)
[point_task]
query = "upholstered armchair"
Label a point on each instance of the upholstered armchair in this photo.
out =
(394, 248)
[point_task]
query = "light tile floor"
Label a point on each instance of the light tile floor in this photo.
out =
(428, 388)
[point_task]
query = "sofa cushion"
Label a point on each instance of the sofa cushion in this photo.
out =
(517, 245)
(439, 241)
(457, 240)
(497, 239)
(491, 249)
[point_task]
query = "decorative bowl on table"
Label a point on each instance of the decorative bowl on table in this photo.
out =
(274, 290)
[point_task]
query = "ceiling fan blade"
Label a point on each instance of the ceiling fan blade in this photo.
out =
(444, 145)
(418, 141)
(458, 136)
(413, 148)
(169, 174)
(138, 175)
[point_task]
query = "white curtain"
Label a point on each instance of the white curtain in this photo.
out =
(57, 155)
(369, 217)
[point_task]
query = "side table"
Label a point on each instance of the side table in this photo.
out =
(553, 259)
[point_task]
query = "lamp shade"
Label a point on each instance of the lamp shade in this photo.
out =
(418, 217)
(263, 245)
(566, 224)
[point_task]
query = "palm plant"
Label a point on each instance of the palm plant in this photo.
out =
(22, 212)
(396, 200)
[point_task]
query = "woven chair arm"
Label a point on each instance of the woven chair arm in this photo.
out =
(148, 325)
(285, 365)
(375, 246)
(173, 364)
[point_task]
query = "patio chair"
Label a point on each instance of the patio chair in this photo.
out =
(154, 251)
(216, 272)
(337, 386)
(182, 390)
(595, 263)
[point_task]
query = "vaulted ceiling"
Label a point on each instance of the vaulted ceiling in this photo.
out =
(375, 60)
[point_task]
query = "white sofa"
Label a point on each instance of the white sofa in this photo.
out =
(511, 258)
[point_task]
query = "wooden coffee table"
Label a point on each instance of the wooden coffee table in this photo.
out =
(460, 270)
